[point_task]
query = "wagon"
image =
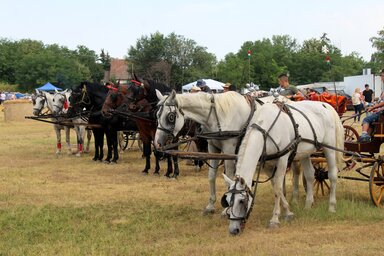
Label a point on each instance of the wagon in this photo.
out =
(367, 154)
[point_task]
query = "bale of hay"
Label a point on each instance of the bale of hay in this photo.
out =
(16, 110)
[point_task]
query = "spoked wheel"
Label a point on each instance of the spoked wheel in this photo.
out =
(320, 185)
(127, 140)
(350, 134)
(123, 140)
(376, 184)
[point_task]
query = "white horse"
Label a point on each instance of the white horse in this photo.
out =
(273, 131)
(60, 106)
(45, 100)
(227, 112)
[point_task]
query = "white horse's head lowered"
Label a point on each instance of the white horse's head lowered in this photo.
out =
(237, 202)
(170, 119)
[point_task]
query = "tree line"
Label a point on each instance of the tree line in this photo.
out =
(176, 60)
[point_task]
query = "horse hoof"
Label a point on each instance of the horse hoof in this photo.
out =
(273, 225)
(113, 162)
(106, 162)
(144, 172)
(78, 155)
(208, 212)
(289, 218)
(156, 173)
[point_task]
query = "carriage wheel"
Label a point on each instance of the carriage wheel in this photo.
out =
(123, 140)
(320, 185)
(350, 134)
(376, 184)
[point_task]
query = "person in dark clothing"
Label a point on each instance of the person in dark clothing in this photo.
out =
(203, 86)
(368, 94)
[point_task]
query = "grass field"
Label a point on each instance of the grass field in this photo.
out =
(74, 206)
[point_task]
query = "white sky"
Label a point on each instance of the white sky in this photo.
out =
(220, 25)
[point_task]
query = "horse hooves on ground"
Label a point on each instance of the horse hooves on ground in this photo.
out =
(144, 172)
(208, 212)
(156, 173)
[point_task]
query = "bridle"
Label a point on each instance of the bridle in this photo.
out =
(246, 192)
(60, 107)
(170, 118)
(43, 100)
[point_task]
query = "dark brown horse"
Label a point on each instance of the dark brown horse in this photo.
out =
(138, 101)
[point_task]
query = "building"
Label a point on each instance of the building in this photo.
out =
(119, 71)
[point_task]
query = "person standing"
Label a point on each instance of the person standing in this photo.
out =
(287, 90)
(357, 101)
(368, 95)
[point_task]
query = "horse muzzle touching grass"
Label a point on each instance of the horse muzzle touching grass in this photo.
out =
(237, 203)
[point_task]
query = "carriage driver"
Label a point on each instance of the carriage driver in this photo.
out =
(287, 90)
(367, 122)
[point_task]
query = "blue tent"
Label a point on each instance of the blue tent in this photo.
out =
(48, 87)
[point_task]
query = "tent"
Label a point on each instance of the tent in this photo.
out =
(212, 84)
(48, 87)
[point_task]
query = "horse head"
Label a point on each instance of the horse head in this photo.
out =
(237, 202)
(39, 102)
(170, 119)
(79, 98)
(60, 102)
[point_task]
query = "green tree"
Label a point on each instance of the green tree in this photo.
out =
(172, 59)
(377, 58)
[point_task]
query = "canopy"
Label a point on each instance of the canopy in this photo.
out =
(49, 87)
(212, 84)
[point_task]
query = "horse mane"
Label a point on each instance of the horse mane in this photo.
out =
(153, 86)
(225, 102)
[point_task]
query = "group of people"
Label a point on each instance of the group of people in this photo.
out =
(374, 112)
(360, 100)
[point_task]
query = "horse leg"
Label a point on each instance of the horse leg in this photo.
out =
(296, 175)
(309, 174)
(58, 139)
(115, 147)
(169, 167)
(89, 136)
(212, 171)
(80, 139)
(278, 182)
(109, 146)
(147, 155)
(68, 139)
(332, 176)
(176, 166)
(97, 153)
(158, 156)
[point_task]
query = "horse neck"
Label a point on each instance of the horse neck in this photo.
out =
(195, 107)
(49, 101)
(249, 155)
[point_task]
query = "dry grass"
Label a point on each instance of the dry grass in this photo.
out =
(74, 206)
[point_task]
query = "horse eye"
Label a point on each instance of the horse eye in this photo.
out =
(241, 201)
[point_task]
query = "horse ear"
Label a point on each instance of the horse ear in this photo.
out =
(173, 94)
(56, 91)
(228, 181)
(65, 90)
(37, 91)
(159, 95)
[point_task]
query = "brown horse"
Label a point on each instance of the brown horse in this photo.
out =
(138, 101)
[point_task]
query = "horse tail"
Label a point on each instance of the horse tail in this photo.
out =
(339, 135)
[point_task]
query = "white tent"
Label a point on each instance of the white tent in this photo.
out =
(212, 84)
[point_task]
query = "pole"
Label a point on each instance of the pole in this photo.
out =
(249, 71)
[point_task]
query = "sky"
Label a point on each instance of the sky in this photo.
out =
(222, 26)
